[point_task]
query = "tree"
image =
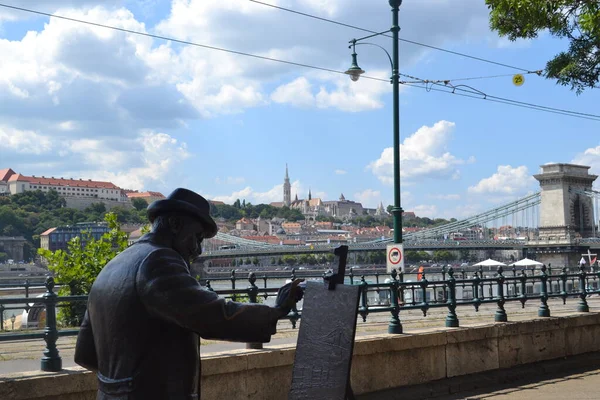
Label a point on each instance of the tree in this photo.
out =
(139, 204)
(578, 21)
(78, 267)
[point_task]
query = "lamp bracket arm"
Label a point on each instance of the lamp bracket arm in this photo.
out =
(382, 48)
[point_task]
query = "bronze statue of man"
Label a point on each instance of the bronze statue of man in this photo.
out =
(145, 311)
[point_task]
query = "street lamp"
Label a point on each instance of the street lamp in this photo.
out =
(354, 72)
(12, 319)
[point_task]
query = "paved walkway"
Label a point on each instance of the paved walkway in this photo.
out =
(576, 378)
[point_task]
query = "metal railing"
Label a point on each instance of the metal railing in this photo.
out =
(447, 288)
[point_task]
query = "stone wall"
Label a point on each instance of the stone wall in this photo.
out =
(81, 203)
(380, 361)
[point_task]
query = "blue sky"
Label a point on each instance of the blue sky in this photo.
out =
(147, 114)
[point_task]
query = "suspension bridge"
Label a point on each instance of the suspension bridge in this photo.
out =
(561, 217)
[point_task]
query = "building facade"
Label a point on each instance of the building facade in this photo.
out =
(78, 193)
(58, 238)
(13, 247)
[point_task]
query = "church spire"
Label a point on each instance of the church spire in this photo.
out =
(287, 188)
(309, 195)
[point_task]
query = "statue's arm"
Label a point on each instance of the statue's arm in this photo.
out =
(85, 349)
(169, 292)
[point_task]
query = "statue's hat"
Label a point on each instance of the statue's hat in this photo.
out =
(187, 202)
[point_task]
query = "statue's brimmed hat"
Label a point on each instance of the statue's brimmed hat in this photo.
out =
(187, 202)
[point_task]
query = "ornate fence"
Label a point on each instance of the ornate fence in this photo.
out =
(381, 293)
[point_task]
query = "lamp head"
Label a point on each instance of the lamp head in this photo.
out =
(354, 71)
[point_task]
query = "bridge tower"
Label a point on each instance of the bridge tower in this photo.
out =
(565, 212)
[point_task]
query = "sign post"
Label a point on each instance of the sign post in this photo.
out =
(395, 257)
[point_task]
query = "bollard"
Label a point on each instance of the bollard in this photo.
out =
(543, 311)
(500, 315)
(394, 326)
(51, 361)
(451, 318)
(583, 305)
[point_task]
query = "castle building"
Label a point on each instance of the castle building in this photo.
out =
(78, 193)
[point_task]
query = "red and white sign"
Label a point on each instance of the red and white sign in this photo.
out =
(395, 257)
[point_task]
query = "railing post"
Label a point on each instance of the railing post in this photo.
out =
(451, 318)
(476, 299)
(208, 287)
(26, 287)
(424, 305)
(544, 311)
(563, 280)
(444, 270)
(514, 272)
(394, 326)
(523, 297)
(51, 361)
(232, 279)
(253, 298)
(583, 305)
(351, 276)
(363, 310)
(500, 315)
(294, 316)
(1, 317)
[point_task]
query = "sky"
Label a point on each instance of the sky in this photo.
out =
(145, 113)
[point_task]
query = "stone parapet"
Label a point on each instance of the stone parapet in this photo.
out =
(380, 362)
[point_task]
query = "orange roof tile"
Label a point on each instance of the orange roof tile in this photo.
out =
(5, 174)
(62, 182)
(145, 194)
(47, 232)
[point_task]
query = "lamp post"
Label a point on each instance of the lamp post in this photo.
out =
(355, 71)
(12, 319)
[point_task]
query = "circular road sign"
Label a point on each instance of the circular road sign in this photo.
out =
(518, 80)
(395, 255)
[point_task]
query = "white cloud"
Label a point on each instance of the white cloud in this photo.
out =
(149, 161)
(297, 93)
(340, 172)
(426, 210)
(424, 154)
(368, 198)
(24, 141)
(591, 158)
(274, 194)
(506, 181)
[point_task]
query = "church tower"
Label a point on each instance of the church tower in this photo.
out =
(309, 195)
(287, 189)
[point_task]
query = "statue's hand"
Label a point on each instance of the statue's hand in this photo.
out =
(288, 295)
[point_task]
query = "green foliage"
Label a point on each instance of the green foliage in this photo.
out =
(416, 256)
(139, 204)
(443, 255)
(578, 21)
(78, 267)
(239, 210)
(31, 213)
(3, 256)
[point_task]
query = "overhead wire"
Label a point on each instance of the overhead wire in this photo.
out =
(400, 39)
(429, 85)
